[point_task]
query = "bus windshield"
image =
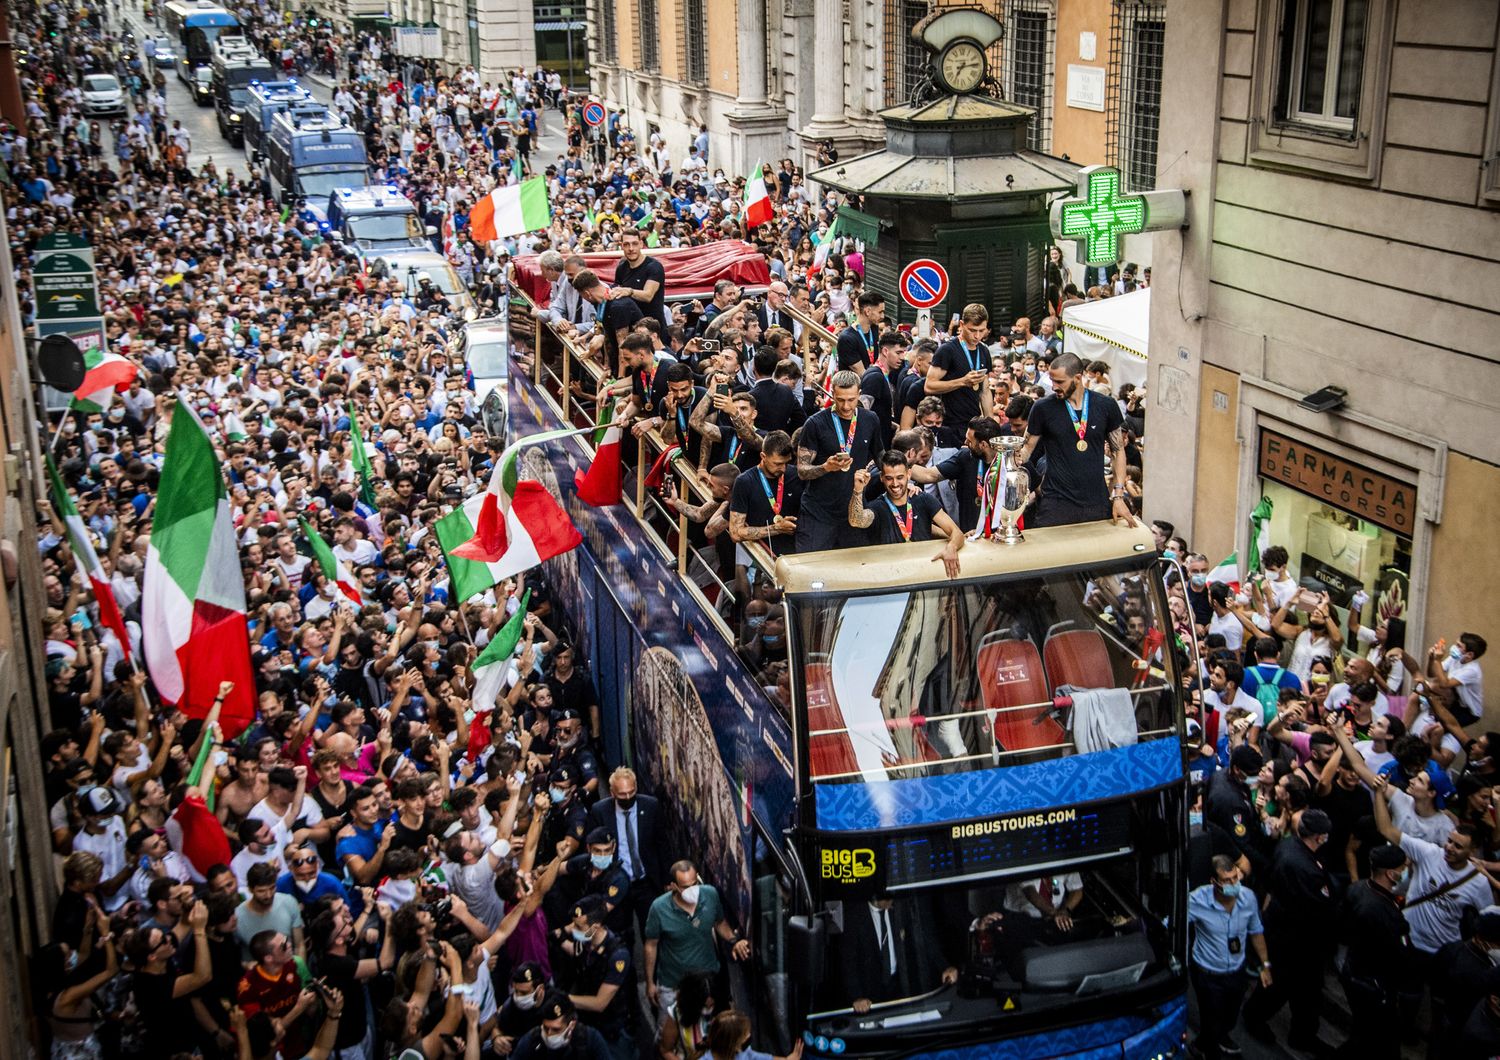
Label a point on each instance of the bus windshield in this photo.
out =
(945, 679)
(1022, 941)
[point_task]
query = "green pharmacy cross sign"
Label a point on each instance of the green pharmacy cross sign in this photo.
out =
(1101, 216)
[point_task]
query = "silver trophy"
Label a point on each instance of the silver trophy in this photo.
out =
(1011, 486)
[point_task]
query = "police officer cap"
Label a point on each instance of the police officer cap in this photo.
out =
(528, 974)
(599, 837)
(567, 714)
(564, 775)
(1387, 856)
(589, 906)
(1246, 759)
(557, 1006)
(1487, 927)
(1315, 822)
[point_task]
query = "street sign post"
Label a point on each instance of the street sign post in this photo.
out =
(1102, 216)
(923, 283)
(594, 113)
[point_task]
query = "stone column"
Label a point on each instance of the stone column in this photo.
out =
(757, 129)
(751, 21)
(828, 80)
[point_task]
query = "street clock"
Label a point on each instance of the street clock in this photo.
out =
(958, 39)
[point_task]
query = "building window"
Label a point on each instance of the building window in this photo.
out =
(609, 46)
(1324, 56)
(1137, 39)
(906, 60)
(1029, 49)
(650, 36)
(695, 27)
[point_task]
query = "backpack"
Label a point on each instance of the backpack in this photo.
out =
(1268, 694)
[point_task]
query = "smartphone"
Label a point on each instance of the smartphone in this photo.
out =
(722, 389)
(710, 345)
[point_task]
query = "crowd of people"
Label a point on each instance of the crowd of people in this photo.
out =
(401, 873)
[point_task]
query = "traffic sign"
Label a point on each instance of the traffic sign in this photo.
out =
(1102, 216)
(594, 113)
(924, 283)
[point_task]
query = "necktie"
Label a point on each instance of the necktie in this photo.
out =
(887, 943)
(1045, 890)
(630, 845)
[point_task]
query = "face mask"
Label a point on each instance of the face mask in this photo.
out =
(1195, 818)
(306, 886)
(755, 621)
(1229, 890)
(525, 1001)
(602, 861)
(557, 795)
(690, 894)
(1252, 782)
(556, 1041)
(771, 642)
(72, 961)
(578, 936)
(625, 804)
(1199, 581)
(1455, 653)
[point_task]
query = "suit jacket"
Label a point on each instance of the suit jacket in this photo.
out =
(783, 320)
(648, 831)
(776, 407)
(865, 969)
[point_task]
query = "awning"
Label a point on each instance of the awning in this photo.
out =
(1113, 330)
(859, 225)
(691, 271)
(546, 26)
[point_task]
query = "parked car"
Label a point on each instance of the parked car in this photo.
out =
(203, 86)
(165, 54)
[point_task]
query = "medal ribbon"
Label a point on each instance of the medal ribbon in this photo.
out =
(905, 527)
(1080, 424)
(765, 484)
(845, 444)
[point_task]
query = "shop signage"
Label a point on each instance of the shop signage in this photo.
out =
(1345, 485)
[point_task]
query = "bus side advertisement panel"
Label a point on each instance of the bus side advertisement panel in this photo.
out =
(701, 734)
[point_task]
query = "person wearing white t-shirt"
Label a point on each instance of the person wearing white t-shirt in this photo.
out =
(1229, 619)
(262, 844)
(1444, 882)
(1224, 693)
(1414, 811)
(284, 805)
(1385, 730)
(103, 835)
(1047, 898)
(1274, 586)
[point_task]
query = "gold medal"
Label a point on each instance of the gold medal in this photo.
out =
(1083, 446)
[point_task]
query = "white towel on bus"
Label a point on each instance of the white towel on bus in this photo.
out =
(1102, 718)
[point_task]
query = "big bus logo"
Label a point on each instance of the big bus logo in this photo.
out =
(846, 866)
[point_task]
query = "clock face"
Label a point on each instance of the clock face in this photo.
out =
(962, 66)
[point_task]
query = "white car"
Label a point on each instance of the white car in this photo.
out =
(102, 94)
(163, 53)
(410, 267)
(485, 343)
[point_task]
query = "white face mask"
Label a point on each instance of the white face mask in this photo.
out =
(556, 1041)
(306, 886)
(524, 1001)
(690, 894)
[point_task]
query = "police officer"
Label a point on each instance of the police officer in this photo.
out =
(1225, 917)
(597, 872)
(560, 1036)
(1301, 908)
(1461, 974)
(600, 976)
(1229, 806)
(1378, 956)
(522, 1011)
(566, 824)
(569, 746)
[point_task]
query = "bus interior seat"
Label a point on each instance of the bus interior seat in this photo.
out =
(1078, 657)
(832, 753)
(1011, 675)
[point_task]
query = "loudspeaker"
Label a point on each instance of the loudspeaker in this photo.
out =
(61, 363)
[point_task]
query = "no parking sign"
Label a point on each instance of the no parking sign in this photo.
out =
(593, 113)
(924, 283)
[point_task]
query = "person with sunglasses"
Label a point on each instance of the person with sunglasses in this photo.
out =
(304, 879)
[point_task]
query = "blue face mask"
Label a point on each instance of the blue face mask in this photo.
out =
(1229, 890)
(1195, 818)
(602, 861)
(1455, 653)
(578, 936)
(557, 795)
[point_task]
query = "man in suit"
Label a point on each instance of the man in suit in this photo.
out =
(888, 950)
(772, 312)
(776, 407)
(634, 820)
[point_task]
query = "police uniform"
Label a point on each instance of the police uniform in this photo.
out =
(611, 885)
(583, 1042)
(1379, 954)
(569, 820)
(514, 1021)
(1217, 968)
(605, 963)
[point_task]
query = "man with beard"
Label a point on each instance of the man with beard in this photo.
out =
(1076, 428)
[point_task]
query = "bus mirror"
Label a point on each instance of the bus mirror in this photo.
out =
(807, 949)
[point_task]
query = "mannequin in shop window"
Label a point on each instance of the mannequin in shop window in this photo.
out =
(1320, 636)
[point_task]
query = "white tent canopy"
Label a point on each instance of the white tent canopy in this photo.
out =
(1112, 330)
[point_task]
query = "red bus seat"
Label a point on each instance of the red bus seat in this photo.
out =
(1011, 675)
(1078, 657)
(832, 753)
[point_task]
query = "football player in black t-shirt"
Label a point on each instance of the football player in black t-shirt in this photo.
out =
(902, 514)
(1076, 429)
(764, 502)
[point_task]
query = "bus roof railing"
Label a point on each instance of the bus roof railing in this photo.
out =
(902, 566)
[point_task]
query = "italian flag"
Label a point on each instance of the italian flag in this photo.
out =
(757, 199)
(825, 248)
(511, 210)
(599, 486)
(510, 527)
(361, 459)
(193, 604)
(490, 667)
(88, 559)
(105, 374)
(333, 567)
(1228, 571)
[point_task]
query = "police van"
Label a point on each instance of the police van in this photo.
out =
(376, 219)
(235, 67)
(265, 100)
(310, 151)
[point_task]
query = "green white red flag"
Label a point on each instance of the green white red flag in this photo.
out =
(193, 604)
(599, 486)
(758, 209)
(105, 375)
(333, 568)
(88, 559)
